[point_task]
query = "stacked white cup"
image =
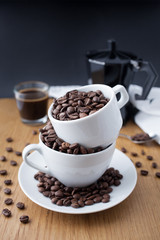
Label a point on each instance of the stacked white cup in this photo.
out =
(98, 129)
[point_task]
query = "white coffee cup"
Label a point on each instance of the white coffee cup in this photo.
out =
(72, 170)
(98, 129)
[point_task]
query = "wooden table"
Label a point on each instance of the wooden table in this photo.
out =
(138, 217)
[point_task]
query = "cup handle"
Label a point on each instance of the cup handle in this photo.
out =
(124, 97)
(31, 163)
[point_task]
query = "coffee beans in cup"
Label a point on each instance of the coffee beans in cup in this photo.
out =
(75, 104)
(51, 140)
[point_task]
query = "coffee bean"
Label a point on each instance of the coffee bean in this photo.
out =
(143, 152)
(77, 196)
(97, 199)
(57, 182)
(9, 149)
(157, 174)
(149, 157)
(124, 150)
(74, 145)
(46, 193)
(8, 181)
(76, 150)
(3, 172)
(24, 219)
(65, 145)
(138, 164)
(7, 191)
(18, 153)
(92, 111)
(70, 110)
(59, 141)
(9, 139)
(89, 202)
(8, 201)
(144, 172)
(59, 202)
(134, 154)
(105, 200)
(82, 115)
(117, 182)
(75, 205)
(59, 193)
(34, 132)
(83, 150)
(13, 163)
(154, 165)
(3, 158)
(6, 212)
(20, 205)
(90, 150)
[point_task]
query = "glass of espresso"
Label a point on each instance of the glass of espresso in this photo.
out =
(32, 101)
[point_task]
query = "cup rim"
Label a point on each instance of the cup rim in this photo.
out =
(77, 155)
(28, 82)
(89, 116)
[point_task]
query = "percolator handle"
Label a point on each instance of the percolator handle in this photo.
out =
(152, 76)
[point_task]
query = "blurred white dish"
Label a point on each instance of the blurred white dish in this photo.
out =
(120, 161)
(151, 105)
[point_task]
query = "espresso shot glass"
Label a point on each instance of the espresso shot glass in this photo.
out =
(32, 101)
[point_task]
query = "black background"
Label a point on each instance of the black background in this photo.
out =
(47, 41)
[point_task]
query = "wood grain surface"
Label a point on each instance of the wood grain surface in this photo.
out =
(137, 217)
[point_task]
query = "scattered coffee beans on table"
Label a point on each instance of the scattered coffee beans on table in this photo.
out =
(75, 104)
(51, 140)
(78, 197)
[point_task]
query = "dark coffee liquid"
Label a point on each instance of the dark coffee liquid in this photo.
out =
(32, 103)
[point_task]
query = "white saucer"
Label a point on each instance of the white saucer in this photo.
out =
(120, 161)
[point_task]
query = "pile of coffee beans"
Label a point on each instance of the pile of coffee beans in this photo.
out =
(51, 140)
(75, 104)
(140, 137)
(78, 197)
